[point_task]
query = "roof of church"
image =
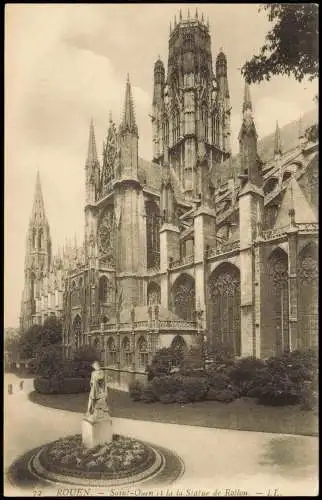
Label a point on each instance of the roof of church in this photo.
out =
(289, 136)
(294, 198)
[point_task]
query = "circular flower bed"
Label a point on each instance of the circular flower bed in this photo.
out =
(120, 458)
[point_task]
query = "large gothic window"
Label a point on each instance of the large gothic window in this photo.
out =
(77, 331)
(153, 235)
(103, 289)
(143, 356)
(126, 352)
(111, 352)
(75, 295)
(308, 297)
(204, 121)
(154, 294)
(106, 236)
(183, 297)
(224, 288)
(175, 125)
(277, 290)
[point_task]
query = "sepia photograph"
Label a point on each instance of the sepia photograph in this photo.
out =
(161, 250)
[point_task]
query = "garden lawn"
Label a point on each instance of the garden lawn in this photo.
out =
(242, 414)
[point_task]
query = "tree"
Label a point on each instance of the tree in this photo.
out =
(291, 46)
(38, 337)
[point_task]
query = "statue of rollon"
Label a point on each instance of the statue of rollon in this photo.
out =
(97, 423)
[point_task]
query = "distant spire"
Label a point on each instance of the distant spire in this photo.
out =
(202, 18)
(301, 128)
(170, 28)
(175, 20)
(247, 104)
(38, 210)
(110, 119)
(277, 141)
(188, 13)
(128, 121)
(92, 152)
(196, 13)
(180, 15)
(208, 24)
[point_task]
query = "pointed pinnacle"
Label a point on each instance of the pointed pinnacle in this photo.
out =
(38, 205)
(170, 28)
(92, 152)
(110, 116)
(188, 13)
(247, 104)
(277, 141)
(180, 15)
(128, 121)
(202, 18)
(175, 20)
(301, 128)
(196, 13)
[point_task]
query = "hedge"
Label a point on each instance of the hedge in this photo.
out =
(291, 378)
(72, 385)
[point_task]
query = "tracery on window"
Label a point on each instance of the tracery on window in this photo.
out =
(184, 298)
(153, 222)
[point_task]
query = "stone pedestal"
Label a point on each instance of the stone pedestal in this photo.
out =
(96, 431)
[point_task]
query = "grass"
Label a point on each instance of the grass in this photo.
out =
(242, 414)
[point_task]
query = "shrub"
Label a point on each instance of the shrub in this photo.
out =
(167, 398)
(179, 387)
(163, 361)
(182, 397)
(83, 360)
(222, 395)
(135, 390)
(54, 385)
(287, 379)
(245, 373)
(147, 395)
(193, 359)
(48, 361)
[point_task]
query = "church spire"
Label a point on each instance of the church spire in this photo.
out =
(128, 120)
(92, 151)
(38, 210)
(277, 142)
(247, 104)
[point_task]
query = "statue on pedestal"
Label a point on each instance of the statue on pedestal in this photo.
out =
(97, 423)
(97, 400)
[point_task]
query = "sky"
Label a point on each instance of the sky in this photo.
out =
(66, 64)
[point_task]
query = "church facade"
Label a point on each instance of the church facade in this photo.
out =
(195, 244)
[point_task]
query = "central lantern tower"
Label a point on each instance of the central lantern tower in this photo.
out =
(191, 103)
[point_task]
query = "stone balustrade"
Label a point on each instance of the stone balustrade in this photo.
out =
(308, 227)
(184, 261)
(223, 248)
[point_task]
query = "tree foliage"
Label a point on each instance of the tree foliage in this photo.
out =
(291, 46)
(38, 337)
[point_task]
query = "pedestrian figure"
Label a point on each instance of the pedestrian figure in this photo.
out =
(10, 389)
(21, 385)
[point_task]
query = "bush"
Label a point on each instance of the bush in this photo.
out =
(167, 398)
(147, 395)
(163, 361)
(288, 379)
(83, 360)
(135, 390)
(54, 385)
(245, 374)
(222, 395)
(176, 387)
(48, 362)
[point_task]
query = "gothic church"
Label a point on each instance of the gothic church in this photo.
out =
(195, 244)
